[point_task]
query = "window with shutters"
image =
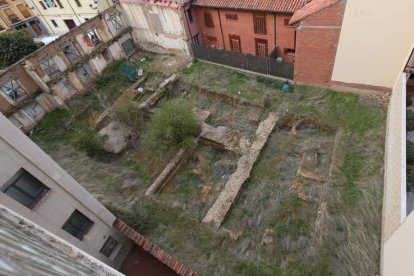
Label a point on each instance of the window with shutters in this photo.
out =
(70, 51)
(208, 18)
(12, 17)
(23, 10)
(259, 23)
(77, 225)
(235, 44)
(25, 189)
(261, 47)
(12, 88)
(48, 65)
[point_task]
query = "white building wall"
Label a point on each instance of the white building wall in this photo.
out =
(65, 195)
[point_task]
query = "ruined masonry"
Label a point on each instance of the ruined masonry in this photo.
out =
(245, 164)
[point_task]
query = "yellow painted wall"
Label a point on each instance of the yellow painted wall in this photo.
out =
(376, 39)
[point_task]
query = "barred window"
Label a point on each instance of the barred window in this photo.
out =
(259, 23)
(116, 21)
(70, 51)
(48, 65)
(12, 88)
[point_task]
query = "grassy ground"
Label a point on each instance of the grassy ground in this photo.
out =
(287, 225)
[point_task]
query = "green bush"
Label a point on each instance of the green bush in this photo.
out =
(409, 100)
(15, 45)
(174, 124)
(88, 140)
(268, 82)
(410, 152)
(129, 114)
(137, 218)
(410, 120)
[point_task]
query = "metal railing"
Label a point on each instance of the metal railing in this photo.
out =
(267, 66)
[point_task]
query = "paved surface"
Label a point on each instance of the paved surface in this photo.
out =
(140, 263)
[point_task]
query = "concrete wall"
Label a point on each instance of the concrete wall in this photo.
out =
(69, 11)
(316, 45)
(284, 37)
(51, 89)
(157, 27)
(375, 42)
(65, 195)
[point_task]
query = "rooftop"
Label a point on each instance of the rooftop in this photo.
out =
(288, 6)
(311, 8)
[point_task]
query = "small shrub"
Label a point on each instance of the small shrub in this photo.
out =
(174, 124)
(129, 114)
(268, 82)
(189, 70)
(410, 152)
(137, 218)
(409, 100)
(410, 120)
(88, 140)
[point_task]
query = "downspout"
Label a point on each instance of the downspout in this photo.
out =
(74, 12)
(275, 32)
(221, 29)
(41, 14)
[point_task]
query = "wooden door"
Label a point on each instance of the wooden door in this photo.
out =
(235, 44)
(261, 47)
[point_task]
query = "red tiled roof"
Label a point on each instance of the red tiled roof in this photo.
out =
(288, 6)
(311, 8)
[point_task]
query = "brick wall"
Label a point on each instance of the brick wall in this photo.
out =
(316, 44)
(244, 27)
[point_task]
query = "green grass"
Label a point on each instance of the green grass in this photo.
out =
(353, 163)
(195, 66)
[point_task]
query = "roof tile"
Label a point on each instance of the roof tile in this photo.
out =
(311, 8)
(288, 6)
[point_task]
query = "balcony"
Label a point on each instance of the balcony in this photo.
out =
(3, 3)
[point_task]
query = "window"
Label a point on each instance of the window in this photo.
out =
(190, 15)
(49, 3)
(208, 20)
(25, 188)
(12, 88)
(78, 3)
(43, 5)
(23, 10)
(70, 52)
(235, 44)
(54, 23)
(69, 23)
(232, 16)
(259, 23)
(86, 19)
(10, 14)
(212, 38)
(59, 4)
(261, 47)
(196, 40)
(289, 51)
(109, 246)
(77, 225)
(116, 21)
(91, 38)
(1, 28)
(48, 65)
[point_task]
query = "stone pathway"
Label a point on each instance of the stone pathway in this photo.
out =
(218, 211)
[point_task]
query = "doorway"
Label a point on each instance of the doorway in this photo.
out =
(70, 23)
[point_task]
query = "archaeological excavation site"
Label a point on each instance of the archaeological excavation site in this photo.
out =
(223, 169)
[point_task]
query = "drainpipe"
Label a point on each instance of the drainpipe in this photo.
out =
(74, 12)
(44, 19)
(221, 29)
(275, 31)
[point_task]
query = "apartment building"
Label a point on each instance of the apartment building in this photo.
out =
(15, 15)
(60, 16)
(37, 188)
(259, 28)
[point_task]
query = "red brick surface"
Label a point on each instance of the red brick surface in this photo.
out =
(244, 27)
(153, 249)
(258, 5)
(316, 47)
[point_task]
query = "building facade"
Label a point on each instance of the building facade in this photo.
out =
(256, 28)
(15, 15)
(61, 16)
(37, 188)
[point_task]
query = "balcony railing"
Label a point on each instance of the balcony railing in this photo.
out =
(3, 3)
